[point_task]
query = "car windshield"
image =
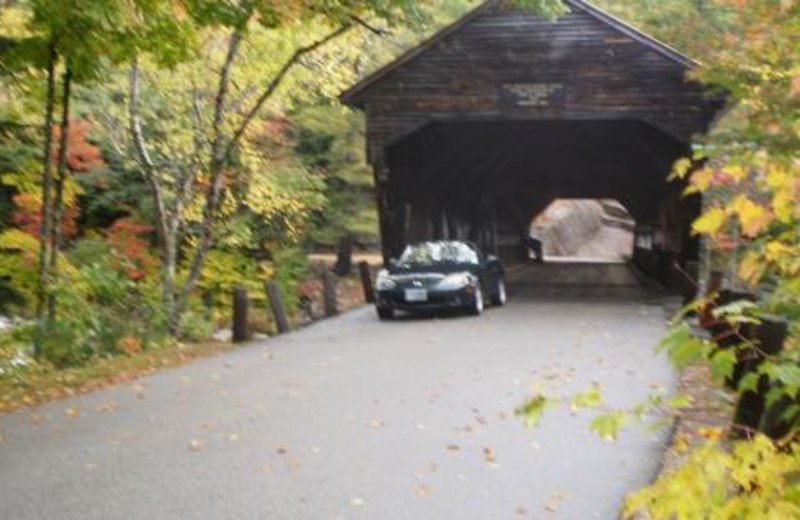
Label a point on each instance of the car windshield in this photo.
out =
(432, 253)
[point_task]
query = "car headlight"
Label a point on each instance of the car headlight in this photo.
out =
(384, 282)
(454, 281)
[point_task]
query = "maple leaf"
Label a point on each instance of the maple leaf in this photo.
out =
(753, 217)
(710, 222)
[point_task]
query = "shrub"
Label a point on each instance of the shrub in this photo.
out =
(291, 268)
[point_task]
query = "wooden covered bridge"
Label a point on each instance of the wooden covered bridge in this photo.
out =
(474, 132)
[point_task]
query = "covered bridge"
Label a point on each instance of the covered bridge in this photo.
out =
(474, 132)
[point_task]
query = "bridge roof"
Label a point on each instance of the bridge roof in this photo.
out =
(352, 96)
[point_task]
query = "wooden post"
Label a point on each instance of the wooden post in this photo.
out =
(329, 293)
(752, 409)
(366, 282)
(240, 304)
(278, 309)
(344, 256)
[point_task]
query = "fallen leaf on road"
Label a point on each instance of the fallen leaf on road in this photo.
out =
(107, 407)
(433, 467)
(521, 511)
(423, 491)
(185, 380)
(453, 447)
(357, 502)
(281, 450)
(234, 437)
(139, 391)
(488, 455)
(266, 468)
(294, 464)
(554, 503)
(72, 413)
(195, 445)
(376, 423)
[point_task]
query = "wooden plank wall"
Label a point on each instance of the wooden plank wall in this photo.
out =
(507, 63)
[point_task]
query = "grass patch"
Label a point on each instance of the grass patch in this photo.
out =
(42, 383)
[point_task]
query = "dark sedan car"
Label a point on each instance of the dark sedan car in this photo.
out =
(435, 276)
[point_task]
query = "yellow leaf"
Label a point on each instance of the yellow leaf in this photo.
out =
(681, 168)
(737, 173)
(751, 268)
(710, 222)
(753, 217)
(776, 249)
(784, 205)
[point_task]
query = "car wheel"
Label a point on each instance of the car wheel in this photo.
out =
(499, 294)
(385, 313)
(476, 308)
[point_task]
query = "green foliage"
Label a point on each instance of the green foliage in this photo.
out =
(18, 251)
(592, 398)
(290, 267)
(608, 425)
(546, 8)
(226, 270)
(533, 410)
(722, 364)
(705, 486)
(683, 347)
(330, 139)
(749, 179)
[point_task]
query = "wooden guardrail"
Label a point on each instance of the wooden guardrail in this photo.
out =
(240, 330)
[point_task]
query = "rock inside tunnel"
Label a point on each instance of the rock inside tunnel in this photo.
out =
(585, 230)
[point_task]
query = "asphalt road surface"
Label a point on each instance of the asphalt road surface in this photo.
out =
(352, 418)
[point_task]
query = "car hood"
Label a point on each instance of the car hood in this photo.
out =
(439, 271)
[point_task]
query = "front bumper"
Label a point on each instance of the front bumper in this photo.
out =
(437, 300)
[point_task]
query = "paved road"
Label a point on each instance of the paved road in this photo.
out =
(354, 419)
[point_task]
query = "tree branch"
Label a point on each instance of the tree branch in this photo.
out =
(378, 31)
(220, 156)
(222, 93)
(144, 159)
(276, 82)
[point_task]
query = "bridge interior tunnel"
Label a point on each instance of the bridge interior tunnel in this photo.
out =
(486, 180)
(584, 230)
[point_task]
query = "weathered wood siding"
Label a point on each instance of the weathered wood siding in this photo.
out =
(507, 63)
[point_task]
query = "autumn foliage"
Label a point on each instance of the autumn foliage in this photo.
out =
(129, 240)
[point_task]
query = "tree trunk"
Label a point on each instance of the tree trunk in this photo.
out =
(168, 221)
(220, 154)
(169, 263)
(344, 256)
(61, 177)
(47, 181)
